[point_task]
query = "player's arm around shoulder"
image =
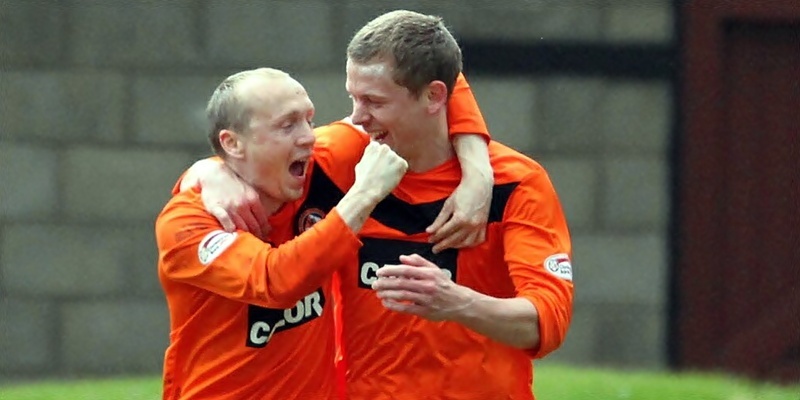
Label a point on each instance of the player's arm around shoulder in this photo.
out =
(462, 219)
(195, 250)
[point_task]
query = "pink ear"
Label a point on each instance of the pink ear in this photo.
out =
(437, 96)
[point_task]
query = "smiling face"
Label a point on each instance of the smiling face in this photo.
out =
(273, 151)
(390, 113)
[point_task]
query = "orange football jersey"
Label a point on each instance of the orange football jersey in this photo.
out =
(249, 320)
(391, 355)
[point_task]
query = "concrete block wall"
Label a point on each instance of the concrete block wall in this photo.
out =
(101, 107)
(604, 143)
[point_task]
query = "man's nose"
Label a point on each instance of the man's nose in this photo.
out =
(359, 115)
(307, 138)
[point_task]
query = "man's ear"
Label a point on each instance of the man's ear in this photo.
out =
(437, 96)
(232, 143)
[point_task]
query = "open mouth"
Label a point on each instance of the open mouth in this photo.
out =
(298, 168)
(379, 136)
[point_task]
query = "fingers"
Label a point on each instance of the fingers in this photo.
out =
(239, 223)
(380, 169)
(448, 229)
(416, 260)
(224, 219)
(239, 208)
(404, 296)
(249, 209)
(480, 237)
(266, 228)
(261, 217)
(457, 232)
(251, 223)
(404, 271)
(456, 240)
(243, 220)
(461, 239)
(375, 150)
(444, 215)
(472, 239)
(402, 284)
(398, 162)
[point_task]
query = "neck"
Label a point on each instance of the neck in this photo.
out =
(269, 204)
(433, 151)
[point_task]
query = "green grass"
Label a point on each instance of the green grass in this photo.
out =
(105, 389)
(552, 383)
(568, 383)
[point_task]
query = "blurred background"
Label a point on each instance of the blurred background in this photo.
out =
(670, 130)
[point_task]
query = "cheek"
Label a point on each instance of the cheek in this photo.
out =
(406, 119)
(266, 157)
(395, 118)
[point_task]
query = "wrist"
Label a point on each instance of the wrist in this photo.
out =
(355, 208)
(359, 202)
(468, 309)
(370, 194)
(478, 177)
(477, 172)
(473, 155)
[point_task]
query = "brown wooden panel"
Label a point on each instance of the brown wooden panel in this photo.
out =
(739, 263)
(702, 155)
(762, 125)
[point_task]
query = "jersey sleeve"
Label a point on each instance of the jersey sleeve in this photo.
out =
(538, 255)
(463, 114)
(193, 249)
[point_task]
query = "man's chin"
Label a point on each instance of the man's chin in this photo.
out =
(294, 194)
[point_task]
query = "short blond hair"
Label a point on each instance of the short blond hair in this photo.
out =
(419, 46)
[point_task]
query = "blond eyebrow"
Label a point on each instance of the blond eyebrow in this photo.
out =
(292, 115)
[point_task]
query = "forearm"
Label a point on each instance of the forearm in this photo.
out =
(299, 266)
(322, 249)
(355, 207)
(473, 155)
(512, 321)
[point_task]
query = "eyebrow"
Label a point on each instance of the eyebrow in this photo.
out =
(291, 114)
(372, 96)
(294, 114)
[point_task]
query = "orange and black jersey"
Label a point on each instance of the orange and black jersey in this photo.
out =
(249, 320)
(527, 254)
